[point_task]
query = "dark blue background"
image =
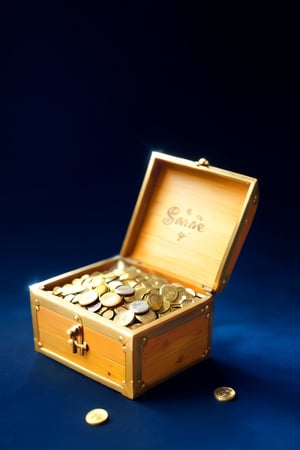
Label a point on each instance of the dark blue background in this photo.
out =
(87, 90)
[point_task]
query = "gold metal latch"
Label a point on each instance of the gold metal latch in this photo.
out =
(76, 339)
(202, 162)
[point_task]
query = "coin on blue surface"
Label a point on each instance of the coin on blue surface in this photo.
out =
(224, 393)
(96, 416)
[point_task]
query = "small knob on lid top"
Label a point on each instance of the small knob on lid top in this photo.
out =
(203, 162)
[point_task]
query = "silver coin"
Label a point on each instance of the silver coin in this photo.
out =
(125, 291)
(139, 306)
(191, 291)
(95, 307)
(114, 284)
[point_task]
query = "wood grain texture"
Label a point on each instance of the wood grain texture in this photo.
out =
(174, 350)
(104, 357)
(189, 221)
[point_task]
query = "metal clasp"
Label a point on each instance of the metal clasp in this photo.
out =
(202, 162)
(76, 339)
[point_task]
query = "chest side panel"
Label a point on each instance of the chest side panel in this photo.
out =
(105, 356)
(176, 349)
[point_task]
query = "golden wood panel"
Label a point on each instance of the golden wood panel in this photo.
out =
(174, 350)
(189, 221)
(104, 357)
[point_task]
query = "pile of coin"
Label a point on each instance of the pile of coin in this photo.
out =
(126, 294)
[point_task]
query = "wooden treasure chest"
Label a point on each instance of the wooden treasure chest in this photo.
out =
(138, 318)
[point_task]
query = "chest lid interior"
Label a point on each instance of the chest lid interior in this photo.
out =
(190, 220)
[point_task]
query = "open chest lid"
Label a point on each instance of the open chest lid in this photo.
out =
(190, 220)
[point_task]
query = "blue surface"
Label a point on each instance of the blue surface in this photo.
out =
(86, 93)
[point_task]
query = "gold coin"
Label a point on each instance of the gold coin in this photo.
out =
(169, 292)
(108, 314)
(124, 318)
(110, 276)
(138, 295)
(57, 290)
(155, 301)
(130, 282)
(165, 307)
(87, 282)
(147, 317)
(114, 284)
(87, 297)
(168, 311)
(102, 309)
(224, 394)
(131, 272)
(101, 289)
(110, 299)
(96, 416)
(72, 289)
(118, 309)
(96, 280)
(135, 325)
(69, 297)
